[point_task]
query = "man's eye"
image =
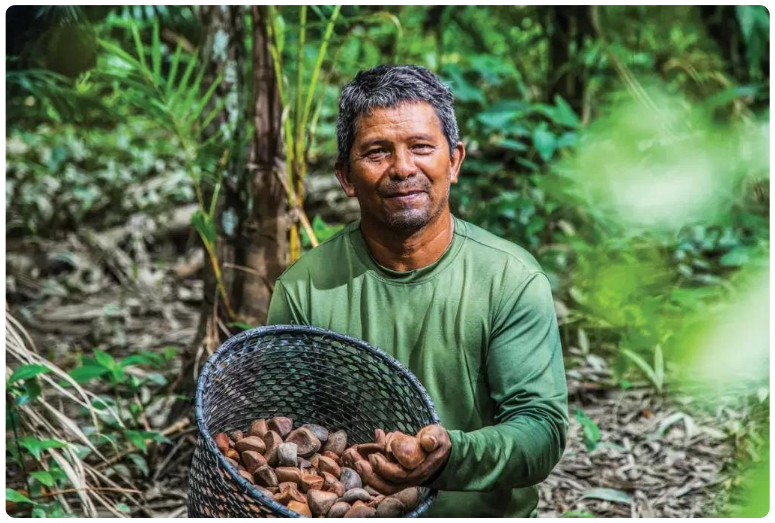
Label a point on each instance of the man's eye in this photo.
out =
(423, 147)
(376, 153)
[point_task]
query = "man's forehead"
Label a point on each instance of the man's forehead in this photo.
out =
(408, 116)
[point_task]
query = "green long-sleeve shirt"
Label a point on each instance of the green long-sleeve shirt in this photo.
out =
(478, 329)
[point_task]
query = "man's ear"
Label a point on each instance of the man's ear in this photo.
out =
(458, 155)
(343, 175)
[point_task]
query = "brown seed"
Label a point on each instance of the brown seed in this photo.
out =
(258, 428)
(329, 454)
(233, 454)
(253, 460)
(290, 493)
(320, 501)
(288, 474)
(303, 463)
(338, 509)
(361, 511)
(253, 443)
(332, 484)
(406, 449)
(272, 440)
(337, 488)
(271, 457)
(356, 494)
(222, 442)
(409, 497)
(326, 464)
(307, 442)
(265, 490)
(247, 475)
(337, 442)
(371, 491)
(391, 508)
(317, 430)
(328, 477)
(266, 477)
(359, 503)
(314, 460)
(283, 426)
(284, 484)
(300, 508)
(234, 463)
(237, 435)
(350, 479)
(286, 454)
(311, 482)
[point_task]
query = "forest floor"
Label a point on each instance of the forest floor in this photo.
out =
(657, 455)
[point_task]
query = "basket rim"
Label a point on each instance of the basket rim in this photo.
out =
(209, 365)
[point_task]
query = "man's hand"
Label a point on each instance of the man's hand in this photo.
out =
(434, 440)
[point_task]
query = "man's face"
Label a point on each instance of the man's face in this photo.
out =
(400, 167)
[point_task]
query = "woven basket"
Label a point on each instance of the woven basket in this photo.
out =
(311, 375)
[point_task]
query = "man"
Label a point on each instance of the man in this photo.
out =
(470, 314)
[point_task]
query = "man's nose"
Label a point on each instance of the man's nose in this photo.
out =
(403, 165)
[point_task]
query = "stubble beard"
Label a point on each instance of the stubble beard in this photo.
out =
(410, 221)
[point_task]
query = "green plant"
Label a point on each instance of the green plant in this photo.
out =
(590, 430)
(175, 100)
(55, 458)
(298, 131)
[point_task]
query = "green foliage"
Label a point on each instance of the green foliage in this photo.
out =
(60, 176)
(125, 388)
(590, 430)
(26, 372)
(322, 230)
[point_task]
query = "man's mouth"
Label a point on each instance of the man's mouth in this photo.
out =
(405, 195)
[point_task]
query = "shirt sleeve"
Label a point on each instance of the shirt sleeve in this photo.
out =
(526, 376)
(282, 309)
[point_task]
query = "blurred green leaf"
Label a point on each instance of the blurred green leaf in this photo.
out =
(28, 371)
(241, 325)
(204, 226)
(88, 372)
(655, 376)
(608, 494)
(544, 142)
(578, 514)
(139, 462)
(43, 477)
(36, 445)
(104, 359)
(15, 496)
(590, 430)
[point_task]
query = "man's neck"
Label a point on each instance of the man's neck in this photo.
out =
(406, 253)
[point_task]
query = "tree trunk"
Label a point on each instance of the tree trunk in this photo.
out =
(267, 226)
(567, 27)
(723, 26)
(251, 214)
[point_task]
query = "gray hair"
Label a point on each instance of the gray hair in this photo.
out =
(389, 86)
